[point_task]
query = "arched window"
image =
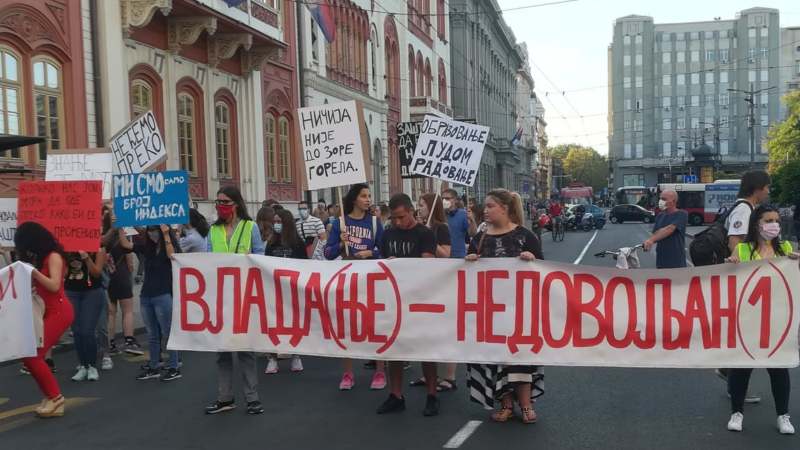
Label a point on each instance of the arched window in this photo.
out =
(284, 153)
(48, 102)
(10, 101)
(141, 97)
(442, 82)
(420, 75)
(222, 133)
(187, 141)
(269, 143)
(428, 78)
(440, 18)
(412, 86)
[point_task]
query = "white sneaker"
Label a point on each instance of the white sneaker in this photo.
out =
(272, 366)
(107, 363)
(735, 424)
(784, 425)
(297, 365)
(92, 374)
(80, 375)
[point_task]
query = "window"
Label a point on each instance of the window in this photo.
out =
(666, 149)
(637, 125)
(709, 77)
(709, 35)
(695, 56)
(48, 102)
(639, 82)
(638, 38)
(724, 122)
(680, 149)
(681, 123)
(751, 32)
(440, 15)
(764, 32)
(666, 57)
(626, 60)
(666, 80)
(283, 150)
(640, 150)
(680, 79)
(626, 82)
(314, 41)
(764, 99)
(627, 125)
(764, 120)
(695, 100)
(695, 78)
(798, 67)
(751, 76)
(666, 102)
(681, 102)
(627, 104)
(764, 76)
(626, 40)
(764, 52)
(627, 151)
(639, 59)
(723, 55)
(681, 56)
(694, 35)
(723, 147)
(667, 124)
(186, 133)
(10, 88)
(222, 129)
(723, 77)
(638, 104)
(711, 55)
(679, 36)
(709, 100)
(141, 97)
(695, 123)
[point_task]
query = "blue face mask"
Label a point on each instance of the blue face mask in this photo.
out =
(277, 228)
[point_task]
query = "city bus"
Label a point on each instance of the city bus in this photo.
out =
(703, 201)
(636, 195)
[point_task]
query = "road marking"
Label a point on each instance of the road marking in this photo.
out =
(463, 434)
(583, 253)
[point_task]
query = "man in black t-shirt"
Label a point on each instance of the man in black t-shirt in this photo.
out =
(408, 239)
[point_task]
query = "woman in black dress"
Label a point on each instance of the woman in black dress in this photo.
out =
(504, 237)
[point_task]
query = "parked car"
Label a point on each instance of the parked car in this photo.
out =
(631, 213)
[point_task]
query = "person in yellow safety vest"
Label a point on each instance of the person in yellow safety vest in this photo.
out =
(235, 232)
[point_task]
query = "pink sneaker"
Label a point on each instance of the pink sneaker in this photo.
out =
(347, 382)
(378, 381)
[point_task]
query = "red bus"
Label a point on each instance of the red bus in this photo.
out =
(704, 200)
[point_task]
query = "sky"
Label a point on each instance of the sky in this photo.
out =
(568, 44)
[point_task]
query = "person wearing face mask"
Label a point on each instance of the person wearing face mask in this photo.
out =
(669, 231)
(761, 242)
(312, 231)
(460, 226)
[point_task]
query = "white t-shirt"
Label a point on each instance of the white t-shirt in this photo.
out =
(738, 220)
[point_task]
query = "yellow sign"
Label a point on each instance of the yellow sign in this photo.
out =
(706, 174)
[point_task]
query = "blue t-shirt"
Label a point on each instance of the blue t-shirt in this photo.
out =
(459, 227)
(362, 236)
(671, 251)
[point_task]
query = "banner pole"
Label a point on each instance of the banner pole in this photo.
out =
(435, 200)
(341, 207)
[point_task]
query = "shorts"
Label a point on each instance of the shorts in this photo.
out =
(120, 289)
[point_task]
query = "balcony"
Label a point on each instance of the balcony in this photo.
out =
(427, 105)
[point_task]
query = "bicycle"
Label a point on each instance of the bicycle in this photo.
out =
(559, 229)
(627, 257)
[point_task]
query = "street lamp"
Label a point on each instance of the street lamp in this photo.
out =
(750, 99)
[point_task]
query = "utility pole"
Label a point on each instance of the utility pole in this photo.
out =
(751, 117)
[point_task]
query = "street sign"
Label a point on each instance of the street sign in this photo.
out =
(690, 178)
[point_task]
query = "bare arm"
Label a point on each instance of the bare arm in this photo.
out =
(124, 242)
(662, 233)
(52, 283)
(95, 265)
(168, 245)
(428, 255)
(442, 251)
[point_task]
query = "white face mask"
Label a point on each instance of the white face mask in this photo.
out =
(447, 204)
(662, 204)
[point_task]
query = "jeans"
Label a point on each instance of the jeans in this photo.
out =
(88, 306)
(102, 329)
(157, 315)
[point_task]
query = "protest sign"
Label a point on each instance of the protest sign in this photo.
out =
(449, 150)
(496, 310)
(69, 209)
(407, 136)
(78, 165)
(151, 198)
(17, 337)
(138, 146)
(8, 221)
(332, 145)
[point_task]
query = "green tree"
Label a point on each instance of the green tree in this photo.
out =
(783, 140)
(583, 164)
(785, 188)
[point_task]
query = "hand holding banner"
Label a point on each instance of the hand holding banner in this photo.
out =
(449, 150)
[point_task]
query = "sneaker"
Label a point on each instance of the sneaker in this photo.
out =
(80, 375)
(378, 381)
(52, 364)
(107, 363)
(369, 365)
(92, 374)
(272, 366)
(218, 407)
(132, 347)
(254, 408)
(297, 364)
(347, 382)
(784, 425)
(392, 404)
(148, 374)
(24, 370)
(431, 406)
(735, 424)
(113, 350)
(170, 374)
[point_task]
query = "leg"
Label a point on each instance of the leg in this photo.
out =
(738, 379)
(225, 376)
(163, 314)
(127, 316)
(76, 298)
(396, 378)
(112, 320)
(153, 335)
(523, 391)
(55, 323)
(101, 330)
(347, 365)
(95, 300)
(247, 364)
(781, 388)
(429, 371)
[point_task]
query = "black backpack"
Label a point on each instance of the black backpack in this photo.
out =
(710, 246)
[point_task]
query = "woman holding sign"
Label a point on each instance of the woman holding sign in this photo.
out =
(360, 238)
(762, 242)
(504, 237)
(37, 247)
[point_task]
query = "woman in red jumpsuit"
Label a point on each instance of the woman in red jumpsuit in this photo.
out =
(37, 246)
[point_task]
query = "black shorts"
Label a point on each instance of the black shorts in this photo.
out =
(120, 289)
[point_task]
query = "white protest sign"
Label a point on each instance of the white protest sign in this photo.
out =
(87, 165)
(449, 150)
(17, 337)
(138, 146)
(8, 221)
(331, 137)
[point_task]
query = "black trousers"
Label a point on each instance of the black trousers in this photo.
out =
(738, 379)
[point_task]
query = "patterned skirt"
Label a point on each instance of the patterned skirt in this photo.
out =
(487, 383)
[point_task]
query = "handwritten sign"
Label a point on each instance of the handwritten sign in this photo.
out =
(407, 136)
(139, 146)
(8, 221)
(81, 165)
(151, 198)
(331, 137)
(69, 209)
(449, 150)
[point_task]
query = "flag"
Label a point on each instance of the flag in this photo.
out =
(233, 3)
(323, 14)
(517, 137)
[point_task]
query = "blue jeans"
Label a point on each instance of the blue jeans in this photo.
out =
(157, 314)
(88, 306)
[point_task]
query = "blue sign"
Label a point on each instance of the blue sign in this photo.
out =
(690, 178)
(151, 198)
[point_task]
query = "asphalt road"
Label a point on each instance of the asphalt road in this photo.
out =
(584, 408)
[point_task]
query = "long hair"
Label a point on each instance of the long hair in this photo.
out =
(34, 242)
(512, 202)
(753, 231)
(198, 222)
(264, 221)
(288, 236)
(152, 248)
(234, 194)
(434, 203)
(350, 199)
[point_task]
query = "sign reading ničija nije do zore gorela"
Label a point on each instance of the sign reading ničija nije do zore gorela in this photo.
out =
(449, 150)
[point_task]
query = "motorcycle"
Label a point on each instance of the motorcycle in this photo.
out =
(587, 221)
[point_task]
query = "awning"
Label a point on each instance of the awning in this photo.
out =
(12, 141)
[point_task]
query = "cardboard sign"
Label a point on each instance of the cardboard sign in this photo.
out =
(8, 221)
(407, 136)
(151, 198)
(449, 150)
(69, 209)
(77, 165)
(332, 147)
(17, 336)
(139, 146)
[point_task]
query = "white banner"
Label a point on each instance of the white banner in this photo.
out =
(138, 146)
(17, 338)
(449, 150)
(8, 221)
(491, 311)
(89, 165)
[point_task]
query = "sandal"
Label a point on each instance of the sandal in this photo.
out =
(503, 415)
(529, 415)
(418, 382)
(446, 385)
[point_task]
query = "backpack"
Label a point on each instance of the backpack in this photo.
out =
(710, 246)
